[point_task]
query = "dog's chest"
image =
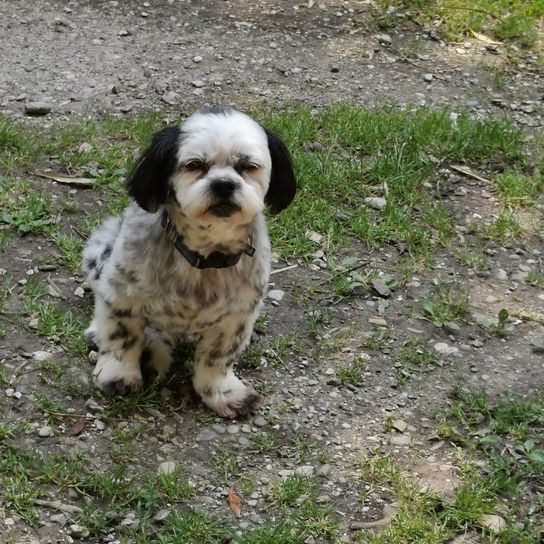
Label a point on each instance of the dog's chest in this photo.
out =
(192, 307)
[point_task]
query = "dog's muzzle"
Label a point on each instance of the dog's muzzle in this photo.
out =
(222, 191)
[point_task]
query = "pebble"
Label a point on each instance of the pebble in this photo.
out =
(493, 522)
(198, 83)
(168, 467)
(99, 424)
(276, 294)
(37, 108)
(92, 356)
(381, 287)
(219, 429)
(79, 292)
(233, 429)
(384, 39)
(125, 108)
(197, 59)
(10, 392)
(58, 518)
(41, 356)
(259, 421)
(377, 321)
(79, 531)
(428, 77)
(400, 425)
(324, 470)
(305, 470)
(444, 349)
(46, 430)
(375, 202)
(243, 441)
(161, 515)
(9, 521)
(206, 435)
(400, 440)
(170, 98)
(85, 147)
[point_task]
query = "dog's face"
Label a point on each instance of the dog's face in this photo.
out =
(219, 165)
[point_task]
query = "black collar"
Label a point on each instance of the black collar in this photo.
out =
(216, 259)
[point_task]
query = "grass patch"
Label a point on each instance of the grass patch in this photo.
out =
(506, 20)
(446, 308)
(518, 189)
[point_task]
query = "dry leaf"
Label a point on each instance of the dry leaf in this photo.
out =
(484, 38)
(81, 182)
(79, 425)
(234, 502)
(53, 289)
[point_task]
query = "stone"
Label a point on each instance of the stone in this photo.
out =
(170, 98)
(161, 515)
(79, 292)
(85, 147)
(324, 470)
(206, 435)
(493, 522)
(444, 349)
(377, 321)
(79, 531)
(197, 59)
(384, 39)
(380, 287)
(276, 294)
(198, 83)
(375, 202)
(259, 421)
(233, 429)
(168, 467)
(42, 356)
(45, 431)
(428, 77)
(37, 108)
(219, 428)
(305, 470)
(400, 440)
(399, 425)
(58, 518)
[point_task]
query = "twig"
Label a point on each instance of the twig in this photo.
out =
(468, 172)
(78, 232)
(341, 272)
(284, 269)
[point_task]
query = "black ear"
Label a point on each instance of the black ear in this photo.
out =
(283, 184)
(148, 181)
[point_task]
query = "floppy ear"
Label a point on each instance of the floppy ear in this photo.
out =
(148, 181)
(283, 184)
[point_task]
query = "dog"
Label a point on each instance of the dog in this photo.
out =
(189, 259)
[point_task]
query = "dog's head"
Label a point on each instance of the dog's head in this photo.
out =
(218, 165)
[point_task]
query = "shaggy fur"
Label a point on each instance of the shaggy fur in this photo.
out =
(213, 175)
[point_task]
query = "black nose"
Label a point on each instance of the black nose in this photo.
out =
(223, 188)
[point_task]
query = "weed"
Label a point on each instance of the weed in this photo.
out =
(519, 189)
(226, 466)
(291, 491)
(505, 226)
(414, 352)
(446, 309)
(352, 374)
(71, 247)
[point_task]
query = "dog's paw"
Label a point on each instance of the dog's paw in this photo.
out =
(228, 397)
(115, 377)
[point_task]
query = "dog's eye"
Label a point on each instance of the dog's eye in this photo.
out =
(195, 166)
(244, 166)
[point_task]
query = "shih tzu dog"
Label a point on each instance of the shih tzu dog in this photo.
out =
(190, 258)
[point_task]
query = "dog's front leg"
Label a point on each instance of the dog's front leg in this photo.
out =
(214, 379)
(119, 334)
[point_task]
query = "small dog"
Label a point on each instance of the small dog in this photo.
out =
(190, 259)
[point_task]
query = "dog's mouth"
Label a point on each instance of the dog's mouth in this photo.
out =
(224, 209)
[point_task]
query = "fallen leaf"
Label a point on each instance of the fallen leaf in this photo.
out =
(68, 180)
(234, 502)
(484, 38)
(79, 425)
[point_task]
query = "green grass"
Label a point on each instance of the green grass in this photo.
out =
(446, 308)
(352, 373)
(505, 20)
(518, 189)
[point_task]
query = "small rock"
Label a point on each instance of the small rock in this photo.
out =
(259, 421)
(444, 349)
(85, 147)
(276, 294)
(37, 108)
(125, 108)
(385, 39)
(45, 431)
(399, 425)
(219, 429)
(428, 77)
(9, 521)
(170, 98)
(472, 104)
(493, 522)
(323, 499)
(10, 392)
(58, 518)
(42, 356)
(79, 531)
(197, 59)
(92, 356)
(124, 33)
(160, 516)
(381, 287)
(375, 202)
(324, 470)
(377, 321)
(99, 424)
(79, 292)
(314, 236)
(400, 440)
(198, 83)
(233, 429)
(305, 470)
(206, 435)
(168, 467)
